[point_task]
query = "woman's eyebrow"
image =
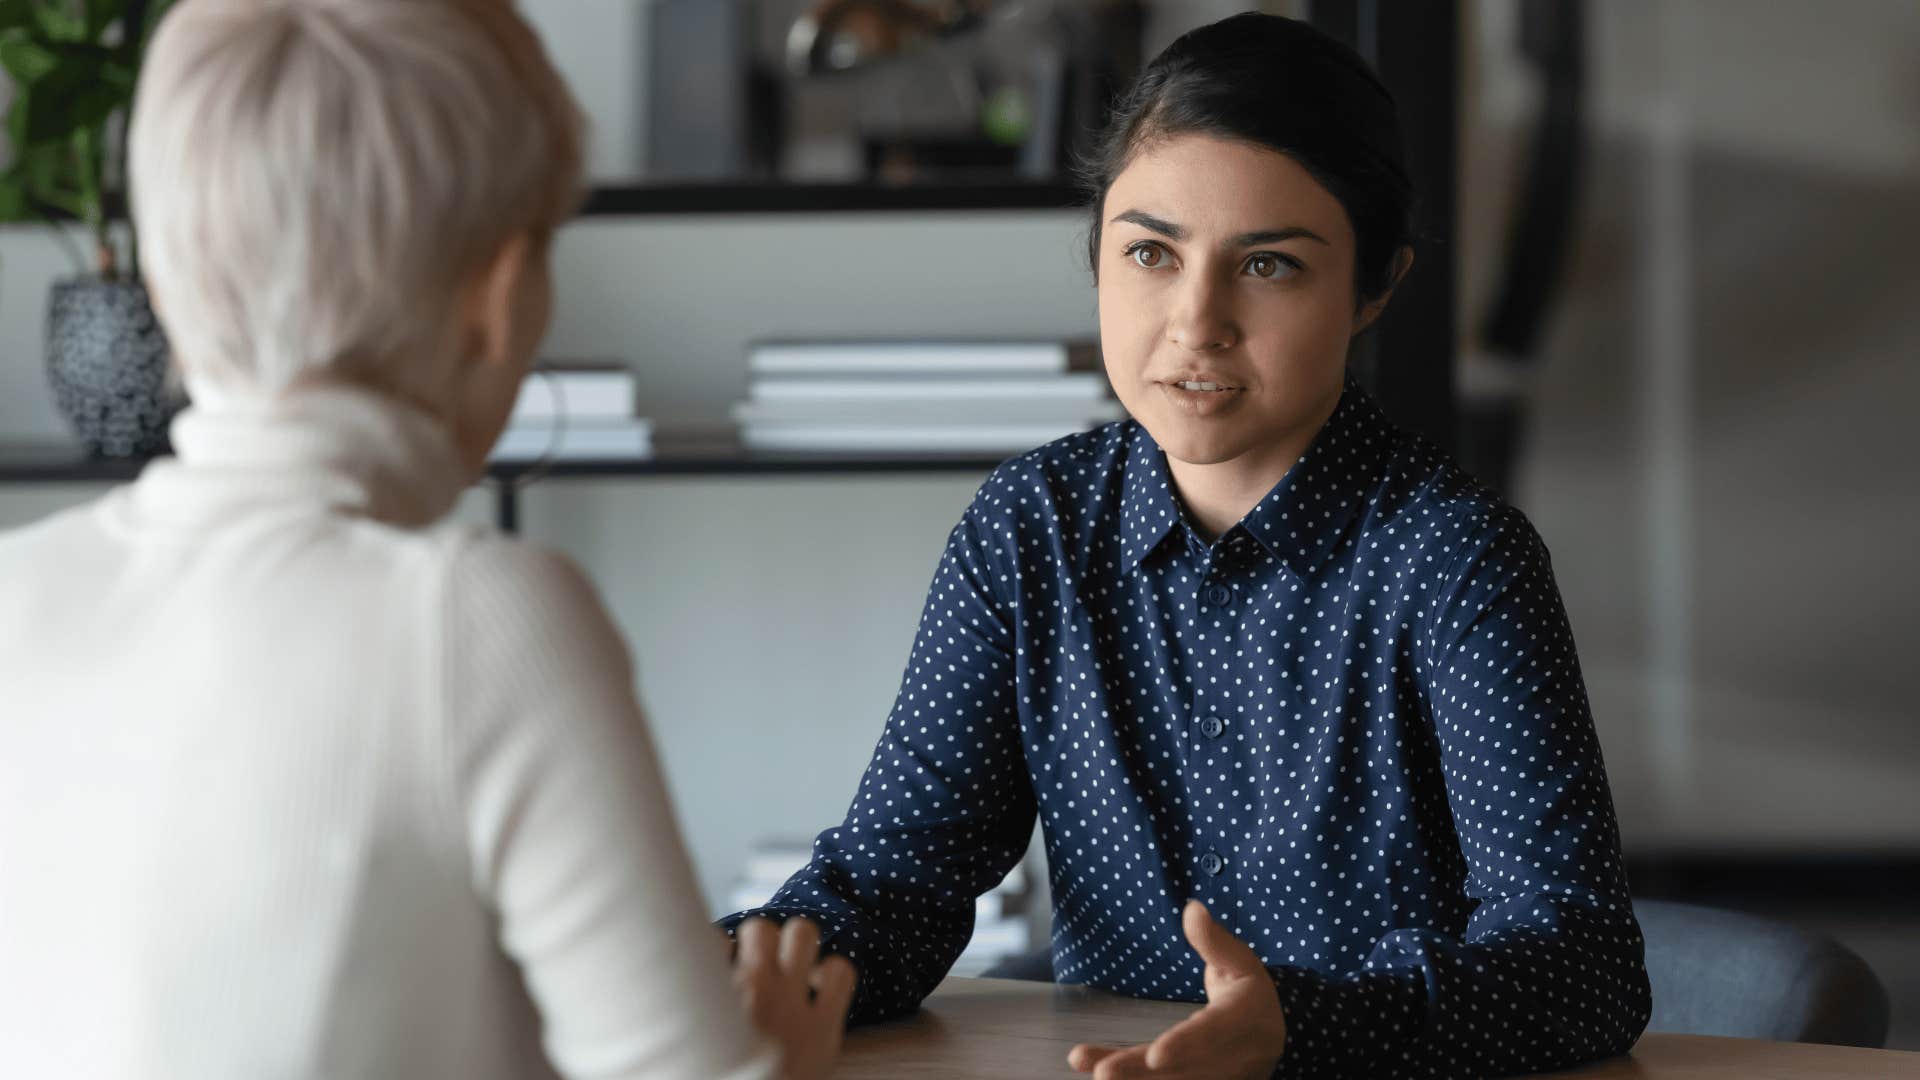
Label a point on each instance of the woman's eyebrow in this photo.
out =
(1275, 236)
(1247, 239)
(1147, 221)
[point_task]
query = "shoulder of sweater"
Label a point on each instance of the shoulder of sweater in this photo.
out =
(525, 634)
(486, 566)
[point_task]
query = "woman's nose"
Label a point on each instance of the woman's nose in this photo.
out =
(1202, 319)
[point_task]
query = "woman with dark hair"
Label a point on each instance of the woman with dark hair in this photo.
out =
(1275, 676)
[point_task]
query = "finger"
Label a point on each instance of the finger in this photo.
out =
(833, 982)
(728, 946)
(1128, 1064)
(757, 941)
(1179, 1046)
(1084, 1056)
(799, 948)
(1216, 946)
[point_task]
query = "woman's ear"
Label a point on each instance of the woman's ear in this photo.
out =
(1372, 309)
(490, 310)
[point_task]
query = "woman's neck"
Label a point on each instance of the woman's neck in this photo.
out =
(1217, 495)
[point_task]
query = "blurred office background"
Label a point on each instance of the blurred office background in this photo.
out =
(1679, 325)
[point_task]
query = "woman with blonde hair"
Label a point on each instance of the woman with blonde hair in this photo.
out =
(296, 779)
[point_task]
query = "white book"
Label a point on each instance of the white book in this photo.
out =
(930, 411)
(749, 896)
(602, 392)
(878, 357)
(778, 856)
(951, 438)
(768, 868)
(573, 440)
(1081, 385)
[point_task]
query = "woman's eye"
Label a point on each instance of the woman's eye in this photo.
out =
(1147, 256)
(1268, 266)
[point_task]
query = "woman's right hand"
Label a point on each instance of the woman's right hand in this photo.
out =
(794, 997)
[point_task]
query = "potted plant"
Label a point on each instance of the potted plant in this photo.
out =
(73, 65)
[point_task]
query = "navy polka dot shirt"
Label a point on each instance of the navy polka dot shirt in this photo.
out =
(1353, 725)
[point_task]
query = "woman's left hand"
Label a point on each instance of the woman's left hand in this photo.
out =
(793, 995)
(1240, 1034)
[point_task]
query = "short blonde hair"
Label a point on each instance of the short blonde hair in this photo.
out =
(314, 181)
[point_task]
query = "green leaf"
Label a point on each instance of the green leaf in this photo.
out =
(60, 25)
(43, 170)
(68, 86)
(39, 182)
(83, 87)
(53, 117)
(27, 59)
(13, 199)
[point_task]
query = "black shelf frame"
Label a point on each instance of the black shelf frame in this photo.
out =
(45, 464)
(773, 197)
(778, 198)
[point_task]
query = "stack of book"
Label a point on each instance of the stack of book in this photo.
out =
(920, 396)
(771, 862)
(1001, 923)
(575, 412)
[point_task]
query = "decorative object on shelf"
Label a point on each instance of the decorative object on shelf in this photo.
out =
(74, 67)
(837, 35)
(107, 361)
(972, 89)
(718, 106)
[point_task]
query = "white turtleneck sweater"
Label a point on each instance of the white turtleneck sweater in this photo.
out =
(295, 782)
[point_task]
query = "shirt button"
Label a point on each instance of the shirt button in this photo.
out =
(1212, 863)
(1219, 595)
(1212, 726)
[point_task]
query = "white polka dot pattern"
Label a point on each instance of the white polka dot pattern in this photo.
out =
(1354, 726)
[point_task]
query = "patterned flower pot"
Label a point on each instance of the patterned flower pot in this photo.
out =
(107, 363)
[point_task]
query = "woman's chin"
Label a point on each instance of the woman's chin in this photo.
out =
(1199, 442)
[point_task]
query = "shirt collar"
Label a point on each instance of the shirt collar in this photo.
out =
(1148, 511)
(1301, 520)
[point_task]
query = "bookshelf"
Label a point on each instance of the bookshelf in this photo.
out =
(57, 463)
(616, 200)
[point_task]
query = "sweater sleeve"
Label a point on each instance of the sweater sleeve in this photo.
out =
(1550, 971)
(572, 840)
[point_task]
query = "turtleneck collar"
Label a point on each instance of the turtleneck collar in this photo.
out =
(329, 446)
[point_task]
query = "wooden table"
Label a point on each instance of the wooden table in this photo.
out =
(1007, 1030)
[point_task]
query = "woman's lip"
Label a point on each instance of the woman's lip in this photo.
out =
(1199, 402)
(1222, 384)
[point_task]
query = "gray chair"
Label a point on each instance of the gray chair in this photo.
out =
(1718, 972)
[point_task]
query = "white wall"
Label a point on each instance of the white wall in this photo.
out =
(595, 43)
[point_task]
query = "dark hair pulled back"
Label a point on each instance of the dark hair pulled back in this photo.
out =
(1281, 84)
